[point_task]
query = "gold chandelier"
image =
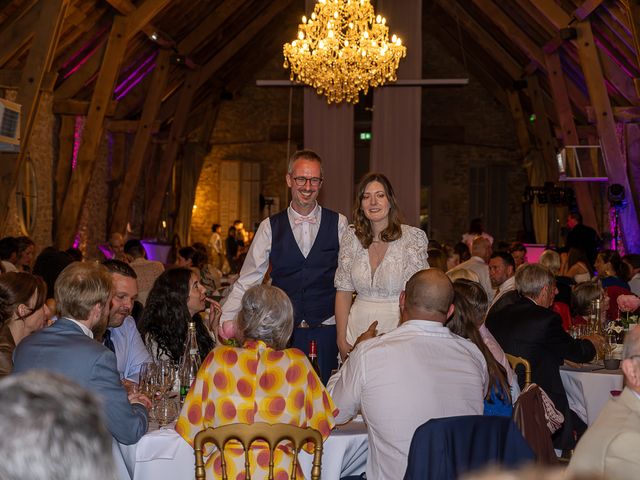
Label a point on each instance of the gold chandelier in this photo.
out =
(343, 49)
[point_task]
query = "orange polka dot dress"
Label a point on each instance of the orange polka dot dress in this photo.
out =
(255, 384)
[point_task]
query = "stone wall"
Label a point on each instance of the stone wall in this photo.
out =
(249, 128)
(41, 153)
(466, 127)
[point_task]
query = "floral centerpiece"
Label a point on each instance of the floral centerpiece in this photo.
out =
(628, 305)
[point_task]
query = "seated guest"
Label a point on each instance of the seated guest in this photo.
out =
(633, 264)
(122, 336)
(22, 312)
(173, 302)
(453, 258)
(146, 270)
(497, 401)
(210, 276)
(519, 253)
(502, 268)
(262, 381)
(67, 347)
(610, 446)
(530, 329)
(437, 259)
(562, 300)
(577, 266)
(419, 371)
(581, 297)
(26, 253)
(611, 269)
(478, 263)
(475, 306)
(52, 429)
(463, 252)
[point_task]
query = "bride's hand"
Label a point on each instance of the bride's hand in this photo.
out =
(344, 347)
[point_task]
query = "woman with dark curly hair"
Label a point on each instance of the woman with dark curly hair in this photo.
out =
(174, 300)
(378, 254)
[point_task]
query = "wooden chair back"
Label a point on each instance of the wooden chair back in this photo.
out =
(515, 362)
(246, 434)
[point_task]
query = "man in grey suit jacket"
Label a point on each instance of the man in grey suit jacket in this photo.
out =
(67, 347)
(610, 446)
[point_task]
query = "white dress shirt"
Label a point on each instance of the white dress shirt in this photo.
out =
(257, 261)
(131, 351)
(419, 371)
(86, 330)
(508, 285)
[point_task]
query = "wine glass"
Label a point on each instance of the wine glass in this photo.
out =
(165, 409)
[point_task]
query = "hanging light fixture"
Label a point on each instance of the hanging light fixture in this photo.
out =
(343, 49)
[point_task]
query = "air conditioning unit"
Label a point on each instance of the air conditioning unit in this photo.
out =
(9, 126)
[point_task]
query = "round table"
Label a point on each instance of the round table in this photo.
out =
(589, 388)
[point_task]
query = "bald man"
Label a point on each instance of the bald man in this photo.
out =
(414, 373)
(610, 446)
(479, 263)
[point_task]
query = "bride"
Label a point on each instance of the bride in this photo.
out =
(377, 256)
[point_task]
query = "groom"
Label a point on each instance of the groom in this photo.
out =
(301, 243)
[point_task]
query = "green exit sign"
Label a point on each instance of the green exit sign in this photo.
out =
(365, 135)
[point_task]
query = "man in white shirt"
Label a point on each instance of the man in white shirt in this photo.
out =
(502, 269)
(122, 336)
(414, 373)
(301, 244)
(480, 255)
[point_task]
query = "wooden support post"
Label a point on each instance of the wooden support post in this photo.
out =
(142, 15)
(569, 133)
(522, 132)
(79, 184)
(51, 17)
(542, 129)
(163, 175)
(615, 162)
(633, 11)
(140, 144)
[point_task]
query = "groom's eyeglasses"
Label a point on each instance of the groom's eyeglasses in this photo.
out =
(302, 181)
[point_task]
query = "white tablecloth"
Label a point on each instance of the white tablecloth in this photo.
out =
(588, 391)
(163, 454)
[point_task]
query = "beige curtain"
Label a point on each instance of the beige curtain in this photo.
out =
(534, 164)
(395, 146)
(191, 165)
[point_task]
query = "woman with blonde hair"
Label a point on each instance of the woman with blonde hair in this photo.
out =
(378, 254)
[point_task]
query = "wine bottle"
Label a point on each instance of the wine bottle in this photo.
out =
(313, 357)
(190, 363)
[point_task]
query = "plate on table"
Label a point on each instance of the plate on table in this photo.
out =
(582, 367)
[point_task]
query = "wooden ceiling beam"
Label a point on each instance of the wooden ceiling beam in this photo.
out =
(138, 153)
(586, 9)
(509, 28)
(70, 106)
(11, 79)
(139, 19)
(122, 29)
(209, 24)
(125, 7)
(66, 140)
(87, 155)
(163, 175)
(18, 34)
(633, 13)
(542, 128)
(74, 83)
(615, 161)
(486, 41)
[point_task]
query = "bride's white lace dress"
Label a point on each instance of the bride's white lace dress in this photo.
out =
(378, 294)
